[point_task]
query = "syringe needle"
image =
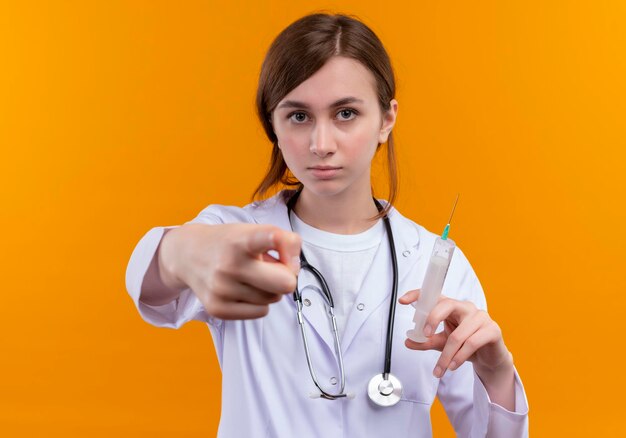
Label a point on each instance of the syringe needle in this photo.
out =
(453, 208)
(446, 230)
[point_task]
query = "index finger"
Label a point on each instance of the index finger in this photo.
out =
(409, 297)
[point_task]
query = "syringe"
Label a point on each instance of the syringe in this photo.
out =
(433, 281)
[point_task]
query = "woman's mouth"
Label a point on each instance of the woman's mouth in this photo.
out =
(325, 172)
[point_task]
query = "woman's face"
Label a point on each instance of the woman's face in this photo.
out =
(329, 127)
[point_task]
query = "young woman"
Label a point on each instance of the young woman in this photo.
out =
(326, 101)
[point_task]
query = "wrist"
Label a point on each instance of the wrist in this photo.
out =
(166, 260)
(497, 376)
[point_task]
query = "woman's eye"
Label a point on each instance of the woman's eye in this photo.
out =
(302, 117)
(298, 117)
(347, 114)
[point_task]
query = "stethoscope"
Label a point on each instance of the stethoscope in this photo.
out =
(383, 389)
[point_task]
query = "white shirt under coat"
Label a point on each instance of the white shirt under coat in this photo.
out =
(343, 260)
(265, 378)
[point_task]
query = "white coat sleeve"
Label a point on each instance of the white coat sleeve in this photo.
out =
(473, 414)
(180, 311)
(171, 315)
(467, 402)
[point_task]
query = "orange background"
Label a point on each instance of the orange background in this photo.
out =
(119, 116)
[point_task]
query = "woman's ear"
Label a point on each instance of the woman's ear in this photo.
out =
(389, 120)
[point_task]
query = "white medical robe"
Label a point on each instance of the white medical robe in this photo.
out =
(266, 384)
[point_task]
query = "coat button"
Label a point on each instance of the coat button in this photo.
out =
(360, 306)
(307, 302)
(333, 380)
(406, 253)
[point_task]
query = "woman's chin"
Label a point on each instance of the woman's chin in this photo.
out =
(326, 188)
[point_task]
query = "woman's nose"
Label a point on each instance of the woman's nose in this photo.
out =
(322, 141)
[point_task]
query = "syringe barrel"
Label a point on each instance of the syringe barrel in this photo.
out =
(433, 284)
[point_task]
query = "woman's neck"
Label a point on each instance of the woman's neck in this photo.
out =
(348, 212)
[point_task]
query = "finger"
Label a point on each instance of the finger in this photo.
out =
(456, 339)
(445, 308)
(288, 245)
(435, 342)
(477, 341)
(229, 291)
(261, 239)
(248, 294)
(273, 277)
(409, 297)
(238, 310)
(268, 237)
(236, 290)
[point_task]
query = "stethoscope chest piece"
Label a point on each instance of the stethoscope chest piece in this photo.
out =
(384, 392)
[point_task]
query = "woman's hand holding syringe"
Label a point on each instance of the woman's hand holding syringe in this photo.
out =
(469, 333)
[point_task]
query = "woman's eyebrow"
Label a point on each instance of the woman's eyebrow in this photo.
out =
(340, 102)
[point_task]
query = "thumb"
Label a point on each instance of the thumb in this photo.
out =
(261, 239)
(286, 243)
(409, 297)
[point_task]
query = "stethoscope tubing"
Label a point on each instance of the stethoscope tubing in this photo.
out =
(304, 264)
(394, 297)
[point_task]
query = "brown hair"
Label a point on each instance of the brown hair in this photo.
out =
(295, 55)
